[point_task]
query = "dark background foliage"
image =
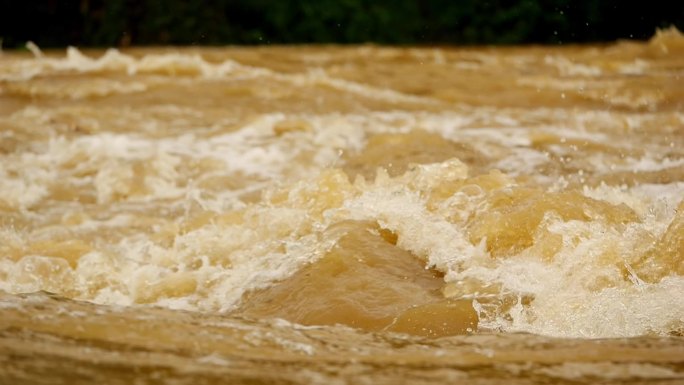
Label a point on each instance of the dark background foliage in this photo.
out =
(57, 23)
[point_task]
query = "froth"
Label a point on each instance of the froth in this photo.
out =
(551, 220)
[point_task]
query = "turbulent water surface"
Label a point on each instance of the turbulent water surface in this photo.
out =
(343, 215)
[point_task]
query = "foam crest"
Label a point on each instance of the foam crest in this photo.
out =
(115, 61)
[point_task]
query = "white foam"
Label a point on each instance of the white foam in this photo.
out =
(567, 68)
(421, 232)
(580, 292)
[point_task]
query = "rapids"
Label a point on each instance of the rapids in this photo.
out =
(427, 213)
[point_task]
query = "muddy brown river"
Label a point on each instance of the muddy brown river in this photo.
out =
(343, 215)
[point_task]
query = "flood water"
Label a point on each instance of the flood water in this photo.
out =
(334, 215)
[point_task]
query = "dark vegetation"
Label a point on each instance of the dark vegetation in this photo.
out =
(57, 23)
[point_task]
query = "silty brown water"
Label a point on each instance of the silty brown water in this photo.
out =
(343, 215)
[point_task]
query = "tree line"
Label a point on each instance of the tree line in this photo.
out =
(102, 23)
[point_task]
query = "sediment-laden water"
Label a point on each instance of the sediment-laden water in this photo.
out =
(343, 215)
